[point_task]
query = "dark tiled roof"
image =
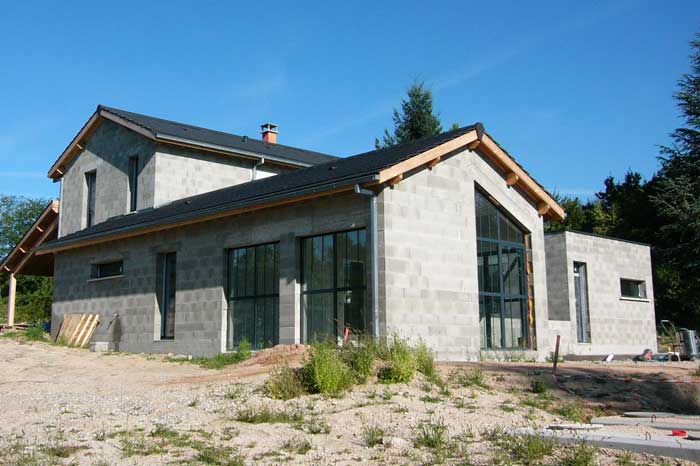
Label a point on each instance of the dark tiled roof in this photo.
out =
(340, 172)
(211, 137)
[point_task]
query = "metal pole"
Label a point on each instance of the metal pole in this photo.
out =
(374, 248)
(556, 355)
(11, 301)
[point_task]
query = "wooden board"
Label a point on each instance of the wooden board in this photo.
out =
(77, 329)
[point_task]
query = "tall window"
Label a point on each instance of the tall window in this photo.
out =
(90, 180)
(166, 279)
(583, 319)
(334, 284)
(503, 280)
(133, 182)
(253, 295)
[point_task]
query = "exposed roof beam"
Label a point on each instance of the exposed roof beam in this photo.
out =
(42, 238)
(512, 178)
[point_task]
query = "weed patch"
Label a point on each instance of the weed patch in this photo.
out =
(265, 415)
(326, 372)
(284, 384)
(372, 435)
(225, 359)
(300, 446)
(400, 362)
(580, 454)
(572, 411)
(468, 378)
(431, 434)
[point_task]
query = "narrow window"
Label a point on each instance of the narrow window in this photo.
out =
(506, 307)
(107, 269)
(166, 294)
(133, 183)
(583, 318)
(253, 296)
(334, 285)
(90, 181)
(633, 289)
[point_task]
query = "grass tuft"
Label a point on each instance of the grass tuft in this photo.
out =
(226, 359)
(325, 372)
(300, 446)
(431, 434)
(401, 362)
(580, 454)
(372, 435)
(265, 415)
(284, 384)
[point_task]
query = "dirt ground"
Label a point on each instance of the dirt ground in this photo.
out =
(68, 406)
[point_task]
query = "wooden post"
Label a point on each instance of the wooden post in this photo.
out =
(11, 301)
(556, 355)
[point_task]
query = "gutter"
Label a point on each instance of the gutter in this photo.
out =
(375, 255)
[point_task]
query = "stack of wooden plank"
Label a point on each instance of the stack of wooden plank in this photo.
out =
(77, 329)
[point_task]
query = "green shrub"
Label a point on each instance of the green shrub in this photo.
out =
(35, 332)
(359, 357)
(472, 377)
(572, 411)
(431, 434)
(372, 435)
(538, 386)
(580, 454)
(401, 362)
(325, 372)
(265, 415)
(226, 359)
(284, 384)
(425, 361)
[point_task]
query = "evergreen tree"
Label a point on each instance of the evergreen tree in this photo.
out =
(416, 119)
(676, 197)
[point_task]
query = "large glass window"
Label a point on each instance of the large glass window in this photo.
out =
(166, 279)
(504, 314)
(253, 295)
(334, 284)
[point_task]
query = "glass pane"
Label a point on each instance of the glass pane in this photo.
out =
(487, 263)
(513, 267)
(490, 320)
(352, 303)
(514, 319)
(343, 256)
(486, 217)
(509, 231)
(320, 321)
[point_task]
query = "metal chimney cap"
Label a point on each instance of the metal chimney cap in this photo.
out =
(269, 127)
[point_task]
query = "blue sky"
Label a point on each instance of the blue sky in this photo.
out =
(576, 91)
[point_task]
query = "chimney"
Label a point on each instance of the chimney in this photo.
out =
(269, 133)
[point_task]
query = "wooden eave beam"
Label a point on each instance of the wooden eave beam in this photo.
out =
(426, 157)
(539, 195)
(543, 208)
(512, 179)
(433, 162)
(56, 170)
(50, 229)
(395, 180)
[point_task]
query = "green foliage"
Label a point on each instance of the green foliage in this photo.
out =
(284, 384)
(222, 360)
(300, 446)
(526, 450)
(325, 372)
(400, 362)
(35, 332)
(473, 377)
(538, 386)
(431, 434)
(372, 435)
(572, 411)
(580, 454)
(266, 415)
(359, 357)
(425, 361)
(416, 119)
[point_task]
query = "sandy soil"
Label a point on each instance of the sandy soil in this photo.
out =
(114, 408)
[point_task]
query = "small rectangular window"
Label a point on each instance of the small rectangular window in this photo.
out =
(90, 181)
(107, 269)
(133, 183)
(633, 289)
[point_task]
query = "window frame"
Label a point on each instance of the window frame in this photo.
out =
(164, 288)
(640, 286)
(91, 191)
(502, 296)
(96, 270)
(334, 290)
(133, 180)
(230, 339)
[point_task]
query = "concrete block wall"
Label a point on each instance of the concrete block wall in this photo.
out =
(428, 263)
(201, 307)
(107, 151)
(167, 173)
(181, 172)
(619, 325)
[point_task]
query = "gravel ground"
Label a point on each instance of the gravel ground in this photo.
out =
(69, 406)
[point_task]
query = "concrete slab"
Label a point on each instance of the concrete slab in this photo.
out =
(660, 446)
(664, 424)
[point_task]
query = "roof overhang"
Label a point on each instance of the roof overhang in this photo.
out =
(23, 259)
(77, 145)
(476, 140)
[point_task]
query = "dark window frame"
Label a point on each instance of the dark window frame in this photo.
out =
(501, 295)
(107, 269)
(335, 290)
(582, 304)
(166, 291)
(91, 187)
(640, 286)
(231, 340)
(133, 176)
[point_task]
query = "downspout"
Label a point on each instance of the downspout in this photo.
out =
(375, 262)
(60, 207)
(255, 167)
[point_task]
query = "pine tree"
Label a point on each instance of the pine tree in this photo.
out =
(416, 119)
(676, 197)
